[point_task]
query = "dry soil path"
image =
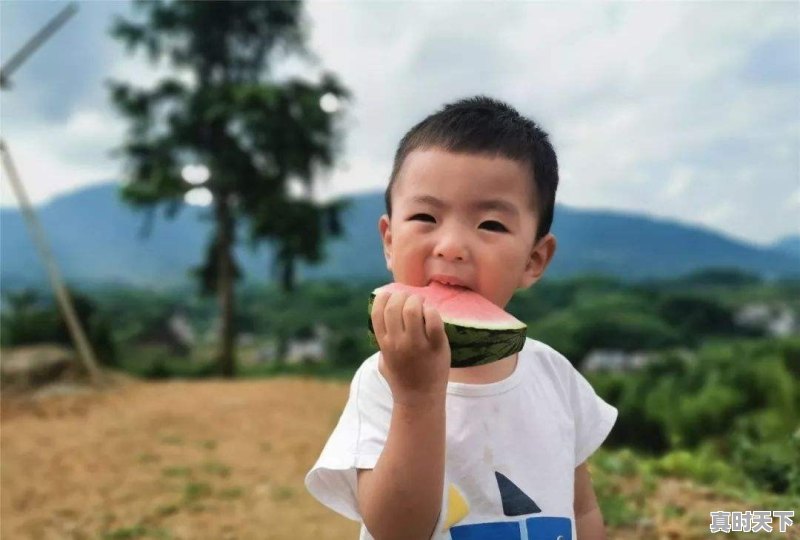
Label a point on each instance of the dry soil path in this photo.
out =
(179, 460)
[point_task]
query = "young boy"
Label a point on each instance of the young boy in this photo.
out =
(495, 451)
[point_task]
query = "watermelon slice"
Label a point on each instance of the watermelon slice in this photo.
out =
(479, 332)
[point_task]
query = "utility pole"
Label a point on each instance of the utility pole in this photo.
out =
(63, 298)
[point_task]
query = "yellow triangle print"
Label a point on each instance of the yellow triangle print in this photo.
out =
(457, 507)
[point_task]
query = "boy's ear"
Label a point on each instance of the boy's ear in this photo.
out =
(541, 255)
(386, 238)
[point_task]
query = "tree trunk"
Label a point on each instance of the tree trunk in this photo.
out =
(227, 360)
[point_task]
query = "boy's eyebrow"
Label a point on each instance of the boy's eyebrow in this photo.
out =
(487, 204)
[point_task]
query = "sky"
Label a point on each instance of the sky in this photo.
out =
(683, 111)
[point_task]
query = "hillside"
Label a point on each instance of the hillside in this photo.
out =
(97, 239)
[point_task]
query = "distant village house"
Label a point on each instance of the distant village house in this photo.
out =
(174, 333)
(614, 360)
(775, 320)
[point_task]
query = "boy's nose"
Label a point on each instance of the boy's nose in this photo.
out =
(451, 247)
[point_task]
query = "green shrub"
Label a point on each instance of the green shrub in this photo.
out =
(768, 453)
(702, 466)
(739, 399)
(157, 363)
(634, 426)
(621, 324)
(29, 318)
(696, 316)
(622, 462)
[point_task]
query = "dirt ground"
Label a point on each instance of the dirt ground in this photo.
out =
(202, 460)
(175, 460)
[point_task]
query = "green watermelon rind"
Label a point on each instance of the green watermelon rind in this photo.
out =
(469, 345)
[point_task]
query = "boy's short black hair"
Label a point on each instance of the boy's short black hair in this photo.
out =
(482, 125)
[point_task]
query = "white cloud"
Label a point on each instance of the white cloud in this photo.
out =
(87, 125)
(63, 157)
(679, 182)
(719, 214)
(634, 95)
(356, 174)
(792, 202)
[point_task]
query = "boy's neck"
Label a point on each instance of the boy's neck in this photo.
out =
(486, 373)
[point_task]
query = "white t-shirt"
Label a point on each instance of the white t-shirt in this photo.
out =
(512, 448)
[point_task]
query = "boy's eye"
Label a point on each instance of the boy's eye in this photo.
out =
(494, 226)
(422, 217)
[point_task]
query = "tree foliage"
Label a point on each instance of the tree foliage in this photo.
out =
(221, 107)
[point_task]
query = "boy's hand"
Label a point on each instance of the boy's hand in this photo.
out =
(415, 354)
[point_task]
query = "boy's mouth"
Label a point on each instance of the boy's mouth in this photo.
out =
(450, 281)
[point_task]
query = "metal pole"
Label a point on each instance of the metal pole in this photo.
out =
(62, 295)
(35, 42)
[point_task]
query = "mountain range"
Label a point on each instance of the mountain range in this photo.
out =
(96, 240)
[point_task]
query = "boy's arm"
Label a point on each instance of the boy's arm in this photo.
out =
(402, 496)
(588, 518)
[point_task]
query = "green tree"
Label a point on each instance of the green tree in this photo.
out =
(697, 316)
(221, 106)
(22, 319)
(721, 277)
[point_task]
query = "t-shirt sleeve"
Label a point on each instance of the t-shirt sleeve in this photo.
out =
(356, 442)
(593, 417)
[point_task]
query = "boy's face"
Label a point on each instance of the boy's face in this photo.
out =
(464, 218)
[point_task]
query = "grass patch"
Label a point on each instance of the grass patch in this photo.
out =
(700, 466)
(282, 493)
(137, 531)
(196, 508)
(622, 463)
(231, 493)
(173, 440)
(208, 445)
(194, 491)
(616, 508)
(177, 472)
(147, 458)
(217, 469)
(166, 510)
(609, 469)
(671, 511)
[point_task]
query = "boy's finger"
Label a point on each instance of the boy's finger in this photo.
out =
(434, 327)
(393, 313)
(412, 318)
(378, 307)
